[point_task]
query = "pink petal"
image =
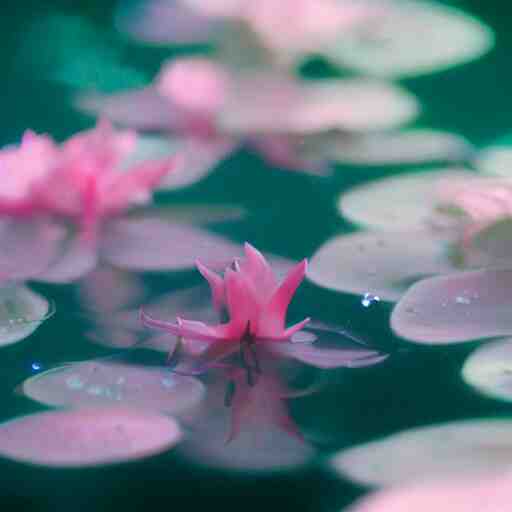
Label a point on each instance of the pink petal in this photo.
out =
(402, 202)
(152, 244)
(216, 285)
(458, 449)
(259, 272)
(491, 494)
(326, 358)
(274, 313)
(102, 382)
(459, 307)
(143, 109)
(87, 437)
(376, 263)
(163, 21)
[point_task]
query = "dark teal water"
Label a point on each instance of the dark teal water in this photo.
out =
(289, 214)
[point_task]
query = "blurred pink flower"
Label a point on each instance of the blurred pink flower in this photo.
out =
(200, 100)
(75, 196)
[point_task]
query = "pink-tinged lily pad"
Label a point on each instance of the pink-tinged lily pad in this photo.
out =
(87, 437)
(164, 22)
(383, 264)
(412, 38)
(460, 307)
(458, 449)
(489, 370)
(28, 247)
(261, 103)
(102, 382)
(22, 311)
(489, 494)
(143, 109)
(152, 244)
(106, 290)
(400, 202)
(496, 160)
(404, 147)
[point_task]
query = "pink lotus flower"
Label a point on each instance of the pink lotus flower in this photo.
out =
(256, 336)
(196, 99)
(75, 197)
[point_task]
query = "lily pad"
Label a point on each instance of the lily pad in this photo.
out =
(460, 449)
(87, 437)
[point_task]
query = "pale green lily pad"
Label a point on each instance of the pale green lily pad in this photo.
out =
(391, 148)
(489, 370)
(460, 448)
(404, 201)
(22, 311)
(412, 38)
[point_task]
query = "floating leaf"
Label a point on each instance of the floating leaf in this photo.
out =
(404, 147)
(461, 449)
(102, 382)
(412, 38)
(87, 437)
(262, 103)
(378, 263)
(460, 307)
(460, 495)
(401, 202)
(489, 370)
(21, 312)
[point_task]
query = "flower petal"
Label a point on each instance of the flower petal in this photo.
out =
(412, 38)
(461, 449)
(273, 314)
(21, 312)
(87, 437)
(106, 382)
(152, 244)
(398, 203)
(376, 263)
(460, 307)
